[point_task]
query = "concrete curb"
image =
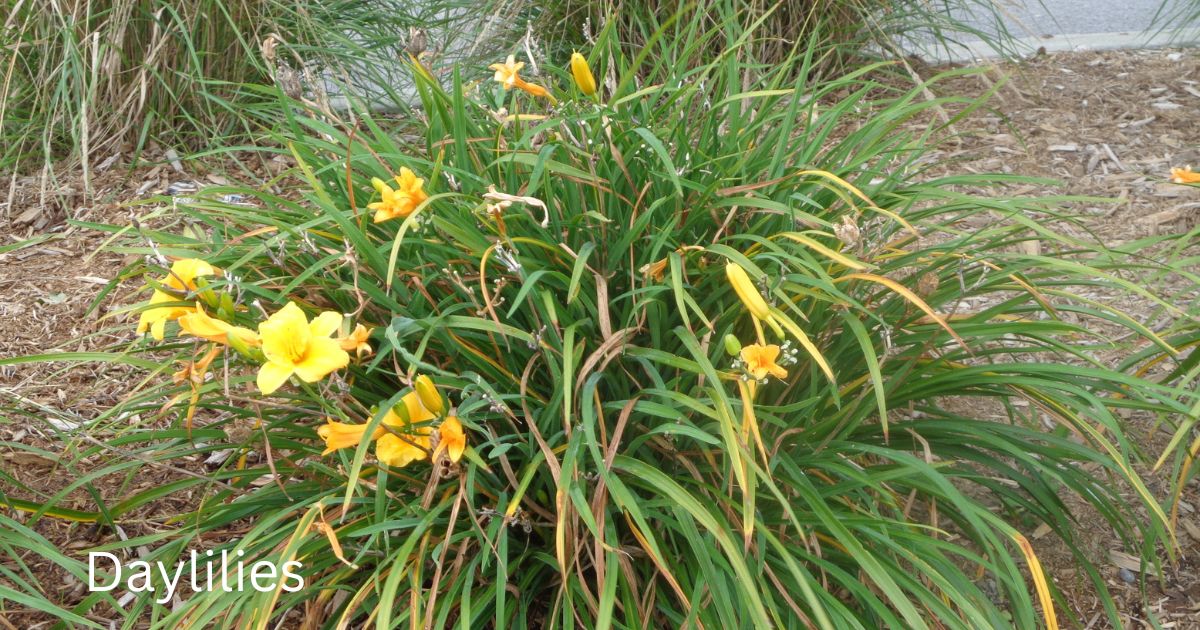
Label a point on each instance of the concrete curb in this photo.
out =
(967, 52)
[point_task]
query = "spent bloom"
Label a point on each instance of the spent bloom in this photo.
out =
(181, 280)
(655, 270)
(583, 74)
(401, 201)
(294, 345)
(761, 360)
(1185, 176)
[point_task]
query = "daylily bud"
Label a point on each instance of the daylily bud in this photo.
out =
(428, 394)
(747, 292)
(583, 74)
(732, 346)
(205, 293)
(225, 305)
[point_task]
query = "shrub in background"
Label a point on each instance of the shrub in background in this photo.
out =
(704, 347)
(84, 79)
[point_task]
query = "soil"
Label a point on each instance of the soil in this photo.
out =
(1104, 124)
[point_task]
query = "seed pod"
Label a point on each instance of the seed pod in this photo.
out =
(733, 347)
(747, 292)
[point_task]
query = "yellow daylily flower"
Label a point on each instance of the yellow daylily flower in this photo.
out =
(1185, 176)
(401, 201)
(506, 73)
(747, 292)
(293, 345)
(181, 279)
(338, 435)
(413, 442)
(197, 323)
(583, 74)
(357, 341)
(451, 439)
(760, 361)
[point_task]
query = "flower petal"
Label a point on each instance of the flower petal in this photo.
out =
(271, 376)
(324, 355)
(397, 452)
(285, 335)
(339, 435)
(325, 324)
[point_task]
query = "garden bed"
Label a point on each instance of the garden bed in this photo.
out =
(1104, 124)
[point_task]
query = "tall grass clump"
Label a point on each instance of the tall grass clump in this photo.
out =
(625, 342)
(847, 30)
(82, 80)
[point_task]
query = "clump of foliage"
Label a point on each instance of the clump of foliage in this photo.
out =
(844, 30)
(673, 346)
(84, 79)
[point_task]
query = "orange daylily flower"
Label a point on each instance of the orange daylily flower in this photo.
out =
(399, 202)
(357, 341)
(1185, 176)
(761, 361)
(451, 439)
(507, 74)
(394, 450)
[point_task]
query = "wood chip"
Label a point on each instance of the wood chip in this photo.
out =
(1063, 148)
(173, 158)
(1122, 560)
